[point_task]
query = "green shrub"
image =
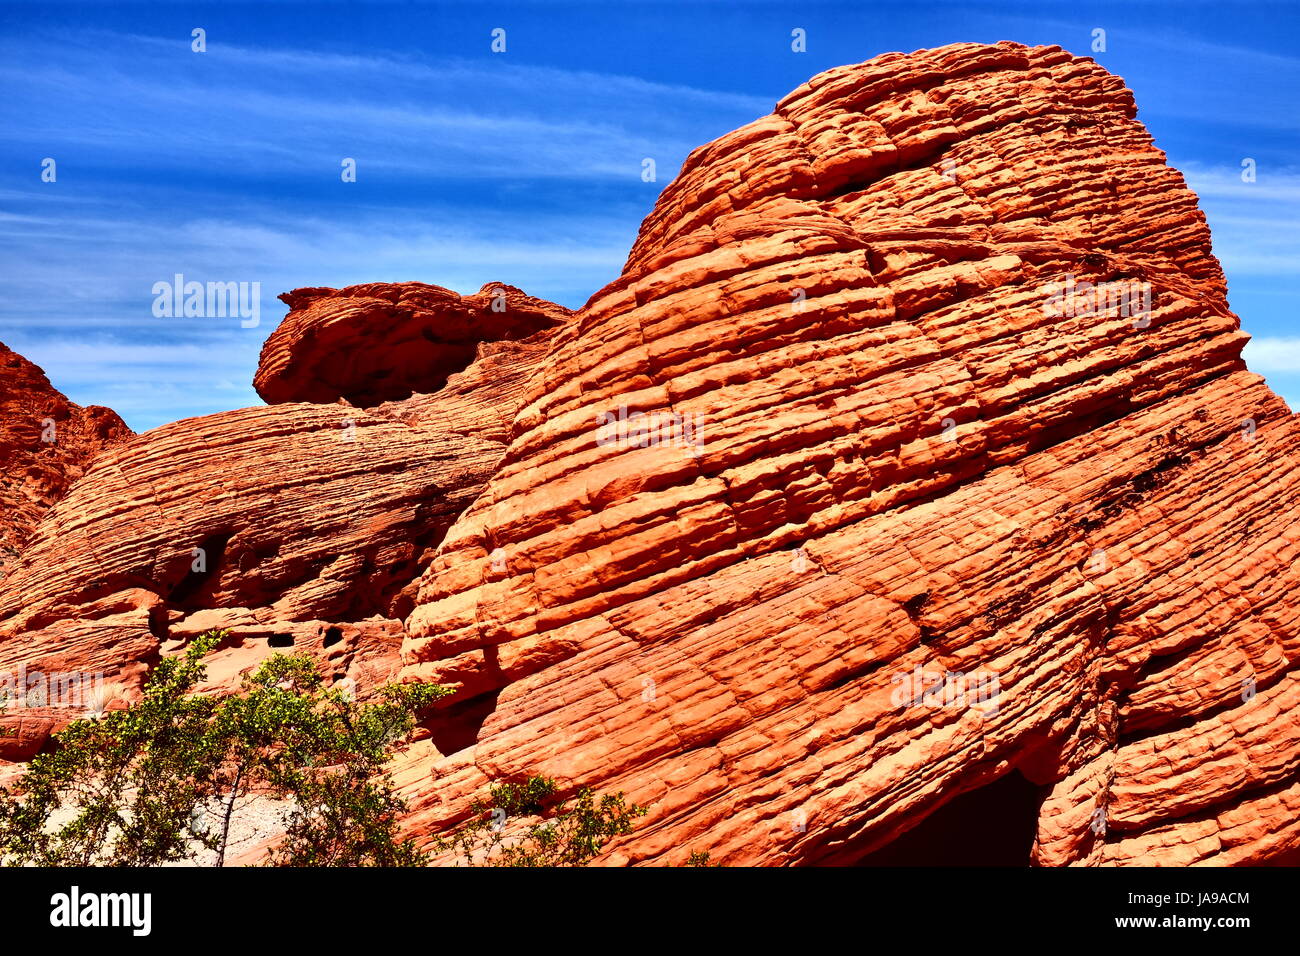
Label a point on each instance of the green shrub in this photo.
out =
(522, 824)
(142, 786)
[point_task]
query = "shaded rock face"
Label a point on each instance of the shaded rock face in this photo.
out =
(324, 349)
(908, 483)
(46, 442)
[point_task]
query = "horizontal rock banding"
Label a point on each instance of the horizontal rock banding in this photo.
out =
(384, 341)
(925, 445)
(46, 442)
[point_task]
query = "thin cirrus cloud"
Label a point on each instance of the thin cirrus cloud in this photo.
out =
(118, 268)
(297, 111)
(134, 378)
(1273, 354)
(1254, 235)
(1252, 221)
(226, 167)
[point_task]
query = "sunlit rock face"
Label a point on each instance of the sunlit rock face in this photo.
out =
(906, 499)
(386, 341)
(949, 472)
(294, 526)
(46, 442)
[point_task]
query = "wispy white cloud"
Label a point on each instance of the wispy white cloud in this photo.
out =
(287, 112)
(101, 266)
(147, 383)
(525, 78)
(1269, 186)
(1273, 354)
(1252, 224)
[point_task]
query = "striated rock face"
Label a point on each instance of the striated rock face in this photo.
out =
(896, 439)
(909, 476)
(46, 442)
(292, 526)
(324, 349)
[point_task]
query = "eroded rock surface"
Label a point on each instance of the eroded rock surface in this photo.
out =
(46, 442)
(294, 525)
(921, 452)
(325, 348)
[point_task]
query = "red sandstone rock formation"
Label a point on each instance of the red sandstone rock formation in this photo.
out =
(914, 456)
(929, 373)
(294, 525)
(46, 442)
(325, 348)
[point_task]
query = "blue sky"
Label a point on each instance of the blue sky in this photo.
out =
(523, 167)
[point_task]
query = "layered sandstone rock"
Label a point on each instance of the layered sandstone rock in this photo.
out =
(927, 378)
(46, 442)
(290, 526)
(923, 448)
(325, 349)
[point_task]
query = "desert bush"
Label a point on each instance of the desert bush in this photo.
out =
(161, 781)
